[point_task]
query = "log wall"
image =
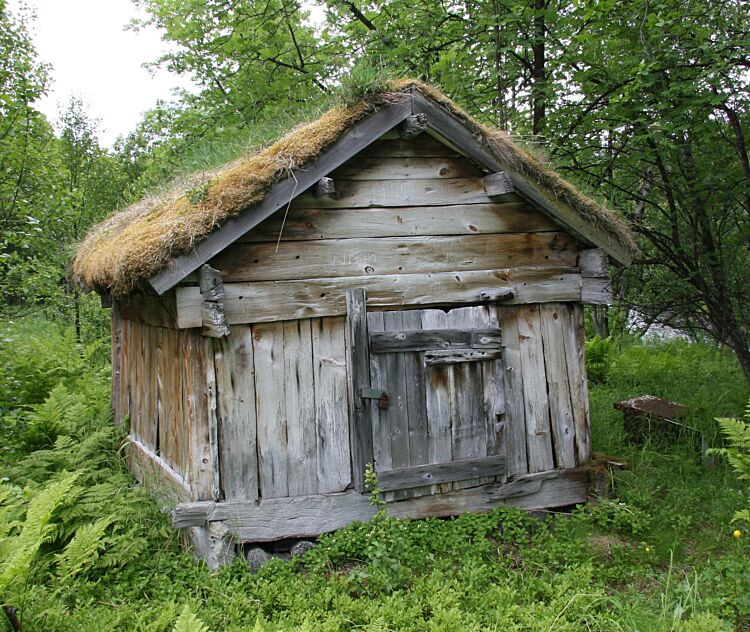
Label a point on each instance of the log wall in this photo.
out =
(264, 413)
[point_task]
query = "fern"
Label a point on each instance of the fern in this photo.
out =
(83, 549)
(737, 434)
(36, 530)
(188, 622)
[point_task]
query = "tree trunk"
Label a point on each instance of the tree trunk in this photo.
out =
(12, 614)
(538, 89)
(600, 320)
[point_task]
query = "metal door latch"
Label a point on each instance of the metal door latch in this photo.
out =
(375, 393)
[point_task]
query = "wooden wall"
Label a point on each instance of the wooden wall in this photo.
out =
(264, 412)
(162, 383)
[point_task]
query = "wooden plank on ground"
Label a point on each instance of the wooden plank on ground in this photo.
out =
(155, 474)
(468, 219)
(331, 404)
(309, 516)
(535, 398)
(268, 352)
(300, 401)
(515, 409)
(269, 261)
(358, 356)
(562, 423)
(286, 300)
(235, 386)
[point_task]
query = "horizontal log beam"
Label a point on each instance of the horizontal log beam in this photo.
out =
(269, 301)
(433, 340)
(309, 516)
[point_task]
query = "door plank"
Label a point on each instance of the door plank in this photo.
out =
(579, 394)
(332, 404)
(437, 473)
(434, 339)
(357, 340)
(381, 422)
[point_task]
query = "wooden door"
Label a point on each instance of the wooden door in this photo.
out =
(433, 398)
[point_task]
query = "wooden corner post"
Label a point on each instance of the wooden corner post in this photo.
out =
(359, 363)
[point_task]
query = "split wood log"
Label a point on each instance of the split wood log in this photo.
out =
(214, 320)
(210, 283)
(413, 126)
(497, 184)
(325, 187)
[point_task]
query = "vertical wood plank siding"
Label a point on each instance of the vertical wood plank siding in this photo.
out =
(265, 412)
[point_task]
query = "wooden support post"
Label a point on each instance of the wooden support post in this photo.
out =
(213, 317)
(325, 187)
(596, 286)
(413, 126)
(359, 364)
(211, 283)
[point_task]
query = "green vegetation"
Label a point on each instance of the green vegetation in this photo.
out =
(83, 548)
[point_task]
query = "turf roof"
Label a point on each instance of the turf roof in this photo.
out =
(134, 244)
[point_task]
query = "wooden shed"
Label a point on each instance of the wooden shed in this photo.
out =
(392, 284)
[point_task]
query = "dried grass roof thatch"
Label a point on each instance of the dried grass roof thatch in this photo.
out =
(133, 245)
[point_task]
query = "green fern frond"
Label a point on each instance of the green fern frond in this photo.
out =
(188, 622)
(36, 529)
(83, 549)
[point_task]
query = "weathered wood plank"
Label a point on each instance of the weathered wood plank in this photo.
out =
(235, 386)
(148, 309)
(515, 408)
(406, 168)
(579, 395)
(381, 430)
(331, 404)
(445, 125)
(392, 255)
(211, 284)
(155, 474)
(536, 402)
(561, 411)
(596, 291)
(497, 184)
(433, 340)
(358, 356)
(148, 377)
(351, 143)
(438, 402)
(286, 300)
(268, 351)
(116, 326)
(435, 473)
(200, 425)
(467, 219)
(593, 263)
(300, 401)
(460, 356)
(424, 146)
(412, 192)
(309, 516)
(398, 411)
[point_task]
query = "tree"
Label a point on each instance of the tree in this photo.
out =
(657, 118)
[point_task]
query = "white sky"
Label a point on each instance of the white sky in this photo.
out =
(93, 57)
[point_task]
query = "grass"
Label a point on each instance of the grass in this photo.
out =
(658, 556)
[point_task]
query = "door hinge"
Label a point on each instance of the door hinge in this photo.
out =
(375, 393)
